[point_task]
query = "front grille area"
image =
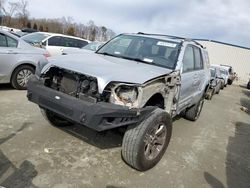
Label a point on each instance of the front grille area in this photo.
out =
(74, 84)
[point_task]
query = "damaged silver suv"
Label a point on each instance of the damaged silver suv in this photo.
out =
(138, 81)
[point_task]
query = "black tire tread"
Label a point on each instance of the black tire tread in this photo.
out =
(131, 139)
(191, 113)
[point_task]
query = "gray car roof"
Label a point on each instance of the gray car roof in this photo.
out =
(160, 37)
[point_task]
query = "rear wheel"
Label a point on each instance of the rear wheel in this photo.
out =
(54, 119)
(218, 91)
(194, 112)
(144, 144)
(248, 85)
(209, 94)
(222, 85)
(21, 76)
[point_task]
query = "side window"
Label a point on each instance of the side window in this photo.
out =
(3, 41)
(54, 41)
(64, 42)
(82, 43)
(69, 42)
(12, 43)
(188, 59)
(206, 59)
(198, 58)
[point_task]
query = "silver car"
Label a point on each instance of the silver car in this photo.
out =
(137, 81)
(18, 60)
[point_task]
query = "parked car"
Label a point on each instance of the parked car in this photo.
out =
(137, 81)
(18, 60)
(91, 47)
(54, 43)
(219, 75)
(248, 84)
(225, 75)
(232, 74)
(215, 84)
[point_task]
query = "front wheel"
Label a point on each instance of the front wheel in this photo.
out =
(209, 94)
(144, 144)
(54, 119)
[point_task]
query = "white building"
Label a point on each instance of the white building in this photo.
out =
(228, 54)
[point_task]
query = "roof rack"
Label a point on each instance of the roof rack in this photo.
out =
(172, 37)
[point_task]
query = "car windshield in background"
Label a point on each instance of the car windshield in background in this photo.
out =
(35, 37)
(212, 72)
(92, 46)
(222, 71)
(143, 49)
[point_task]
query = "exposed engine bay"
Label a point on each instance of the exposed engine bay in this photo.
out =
(85, 88)
(74, 84)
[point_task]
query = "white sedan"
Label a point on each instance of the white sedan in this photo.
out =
(55, 43)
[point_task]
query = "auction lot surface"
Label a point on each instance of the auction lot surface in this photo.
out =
(211, 152)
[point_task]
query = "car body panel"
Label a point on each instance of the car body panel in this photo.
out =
(193, 83)
(12, 57)
(108, 69)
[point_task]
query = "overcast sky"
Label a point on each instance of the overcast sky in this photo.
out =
(223, 20)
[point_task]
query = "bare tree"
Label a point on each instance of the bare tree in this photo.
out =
(104, 33)
(9, 11)
(22, 11)
(2, 2)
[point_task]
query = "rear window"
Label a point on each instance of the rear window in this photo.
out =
(212, 72)
(35, 37)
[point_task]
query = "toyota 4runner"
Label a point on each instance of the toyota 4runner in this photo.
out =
(137, 81)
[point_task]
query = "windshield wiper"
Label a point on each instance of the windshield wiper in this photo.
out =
(137, 59)
(105, 53)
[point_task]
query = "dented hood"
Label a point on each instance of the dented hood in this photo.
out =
(108, 69)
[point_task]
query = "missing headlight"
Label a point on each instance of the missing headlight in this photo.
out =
(127, 93)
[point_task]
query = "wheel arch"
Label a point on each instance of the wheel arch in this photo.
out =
(156, 99)
(29, 63)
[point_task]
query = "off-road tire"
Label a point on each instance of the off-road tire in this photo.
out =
(217, 92)
(248, 85)
(194, 112)
(54, 119)
(209, 95)
(136, 137)
(14, 81)
(222, 86)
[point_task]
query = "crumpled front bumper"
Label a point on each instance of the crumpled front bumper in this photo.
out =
(98, 116)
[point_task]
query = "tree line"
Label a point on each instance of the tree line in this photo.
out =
(15, 14)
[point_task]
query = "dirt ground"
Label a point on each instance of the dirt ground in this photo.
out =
(211, 152)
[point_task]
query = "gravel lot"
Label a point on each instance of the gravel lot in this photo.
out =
(211, 152)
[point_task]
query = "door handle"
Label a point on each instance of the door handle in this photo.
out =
(11, 52)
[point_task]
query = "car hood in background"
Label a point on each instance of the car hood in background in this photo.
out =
(107, 69)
